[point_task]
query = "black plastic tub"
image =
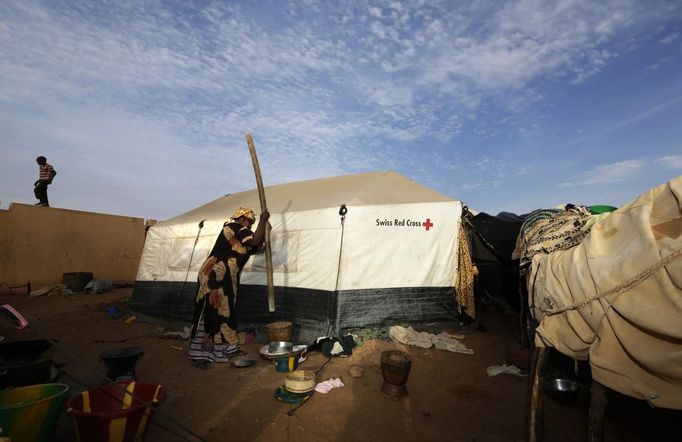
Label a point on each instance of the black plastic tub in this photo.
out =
(23, 372)
(24, 349)
(120, 362)
(22, 363)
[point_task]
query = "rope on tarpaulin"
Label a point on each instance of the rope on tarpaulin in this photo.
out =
(620, 288)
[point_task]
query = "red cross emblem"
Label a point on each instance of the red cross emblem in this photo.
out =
(428, 224)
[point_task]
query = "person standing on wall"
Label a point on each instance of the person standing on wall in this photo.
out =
(46, 174)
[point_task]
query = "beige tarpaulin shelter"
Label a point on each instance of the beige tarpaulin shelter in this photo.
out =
(616, 298)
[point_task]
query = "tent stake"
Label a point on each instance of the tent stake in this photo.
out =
(263, 208)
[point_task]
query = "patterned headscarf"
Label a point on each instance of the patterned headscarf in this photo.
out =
(246, 213)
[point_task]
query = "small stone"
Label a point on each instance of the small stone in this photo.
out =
(356, 371)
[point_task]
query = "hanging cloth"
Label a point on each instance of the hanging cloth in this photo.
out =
(464, 284)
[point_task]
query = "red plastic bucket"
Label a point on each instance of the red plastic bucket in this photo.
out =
(116, 412)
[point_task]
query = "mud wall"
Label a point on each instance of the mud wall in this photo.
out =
(40, 244)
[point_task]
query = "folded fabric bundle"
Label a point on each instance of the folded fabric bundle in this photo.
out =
(494, 370)
(328, 385)
(442, 341)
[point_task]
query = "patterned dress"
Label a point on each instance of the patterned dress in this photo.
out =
(214, 331)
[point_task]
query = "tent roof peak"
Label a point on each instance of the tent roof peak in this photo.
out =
(363, 189)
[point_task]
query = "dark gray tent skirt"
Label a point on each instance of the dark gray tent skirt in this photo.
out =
(314, 312)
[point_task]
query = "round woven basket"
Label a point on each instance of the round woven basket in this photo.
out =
(300, 381)
(279, 331)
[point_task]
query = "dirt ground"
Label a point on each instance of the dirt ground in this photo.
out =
(450, 395)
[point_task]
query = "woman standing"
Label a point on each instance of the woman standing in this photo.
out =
(214, 328)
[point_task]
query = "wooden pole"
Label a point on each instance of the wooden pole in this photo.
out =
(535, 394)
(263, 208)
(595, 422)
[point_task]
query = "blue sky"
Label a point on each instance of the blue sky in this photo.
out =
(142, 106)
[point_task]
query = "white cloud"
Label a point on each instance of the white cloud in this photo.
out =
(525, 170)
(670, 161)
(608, 173)
(375, 12)
(669, 38)
(625, 122)
(521, 43)
(378, 29)
(326, 87)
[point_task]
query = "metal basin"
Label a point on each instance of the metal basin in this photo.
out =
(562, 390)
(562, 385)
(280, 347)
(242, 362)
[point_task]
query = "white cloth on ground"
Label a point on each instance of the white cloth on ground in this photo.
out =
(494, 370)
(328, 385)
(442, 341)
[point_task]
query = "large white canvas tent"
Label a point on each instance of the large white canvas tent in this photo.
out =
(392, 258)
